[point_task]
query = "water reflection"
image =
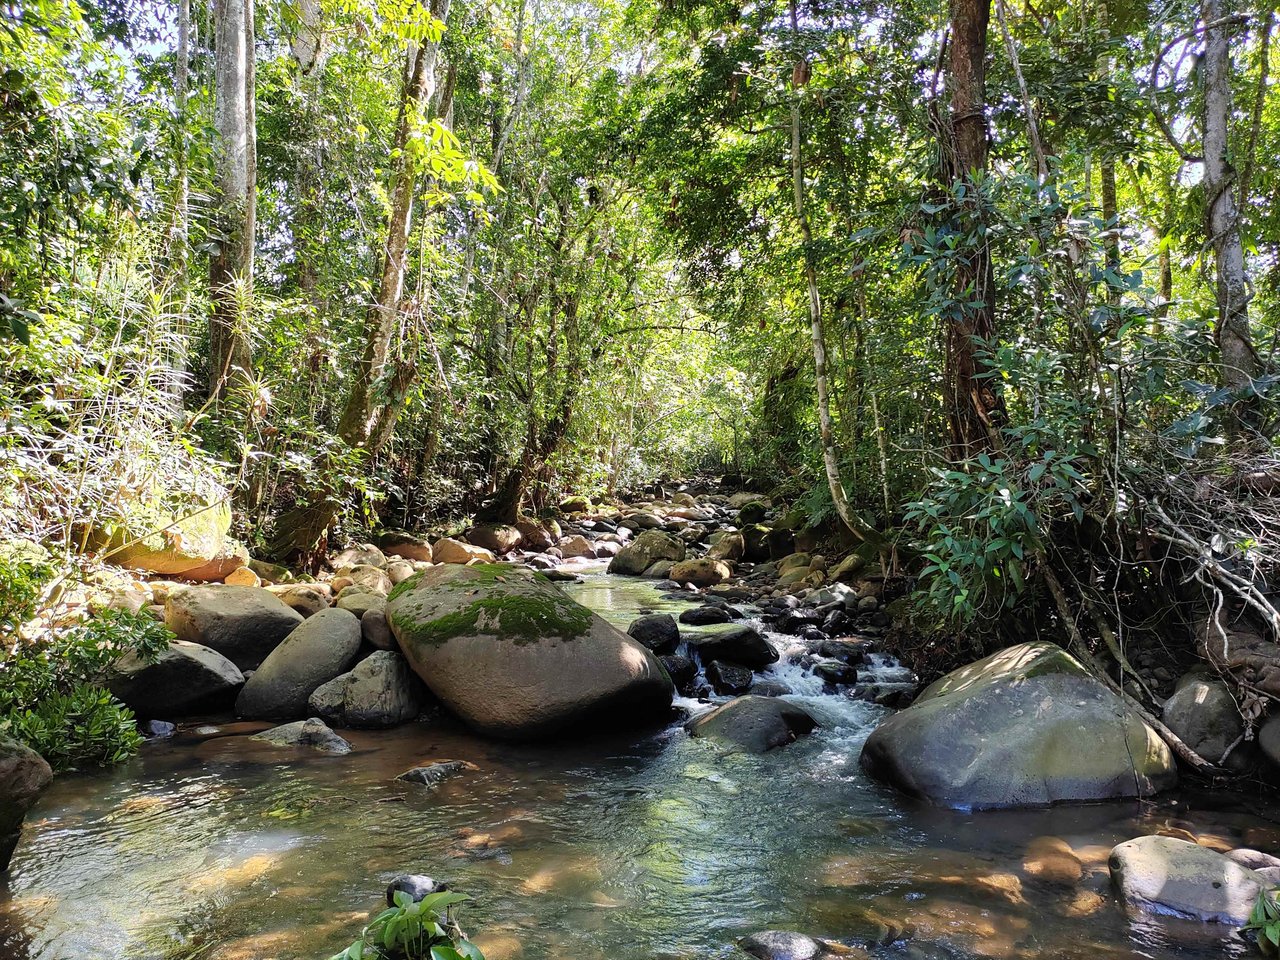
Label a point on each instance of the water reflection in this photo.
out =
(619, 848)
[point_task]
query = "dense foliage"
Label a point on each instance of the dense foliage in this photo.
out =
(1016, 336)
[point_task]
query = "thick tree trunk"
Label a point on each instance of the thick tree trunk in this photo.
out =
(974, 408)
(1239, 362)
(235, 160)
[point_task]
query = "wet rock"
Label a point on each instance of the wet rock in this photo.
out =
(742, 644)
(317, 651)
(311, 733)
(381, 691)
(682, 671)
(244, 624)
(157, 729)
(1051, 860)
(453, 551)
(646, 550)
(1007, 732)
(24, 775)
(728, 679)
(846, 651)
(657, 631)
(471, 632)
(784, 945)
(704, 616)
(836, 673)
(184, 679)
(769, 688)
(1203, 713)
(417, 886)
(434, 774)
(753, 724)
(1173, 877)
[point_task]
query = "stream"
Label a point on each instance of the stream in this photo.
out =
(650, 846)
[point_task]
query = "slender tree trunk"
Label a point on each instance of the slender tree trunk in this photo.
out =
(309, 55)
(1222, 225)
(974, 407)
(235, 159)
(181, 210)
(363, 414)
(817, 336)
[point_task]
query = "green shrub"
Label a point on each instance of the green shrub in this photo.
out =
(51, 696)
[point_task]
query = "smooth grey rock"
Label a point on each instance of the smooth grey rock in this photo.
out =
(657, 631)
(311, 733)
(1177, 878)
(381, 691)
(1025, 727)
(753, 724)
(741, 644)
(1204, 715)
(320, 649)
(24, 775)
(244, 624)
(184, 679)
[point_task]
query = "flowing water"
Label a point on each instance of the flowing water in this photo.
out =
(638, 848)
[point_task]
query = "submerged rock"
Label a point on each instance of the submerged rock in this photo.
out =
(24, 775)
(416, 885)
(321, 648)
(433, 774)
(784, 945)
(1024, 727)
(753, 724)
(515, 657)
(183, 679)
(1177, 878)
(728, 679)
(312, 733)
(244, 624)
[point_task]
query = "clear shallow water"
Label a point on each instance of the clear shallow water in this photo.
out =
(637, 848)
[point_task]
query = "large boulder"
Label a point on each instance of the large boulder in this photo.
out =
(184, 679)
(753, 724)
(576, 546)
(449, 550)
(515, 657)
(324, 646)
(646, 550)
(534, 535)
(743, 644)
(1178, 878)
(381, 691)
(357, 555)
(727, 546)
(165, 532)
(1204, 715)
(1025, 727)
(23, 777)
(498, 538)
(702, 572)
(244, 624)
(231, 556)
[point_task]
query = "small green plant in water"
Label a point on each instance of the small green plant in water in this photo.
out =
(424, 930)
(1265, 920)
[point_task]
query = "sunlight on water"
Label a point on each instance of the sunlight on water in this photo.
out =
(634, 848)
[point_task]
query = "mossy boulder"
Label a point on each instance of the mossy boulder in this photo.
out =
(701, 572)
(166, 532)
(516, 658)
(1025, 727)
(24, 775)
(646, 550)
(751, 513)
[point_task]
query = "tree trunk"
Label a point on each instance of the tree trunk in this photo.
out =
(309, 55)
(974, 408)
(235, 162)
(363, 415)
(1222, 225)
(181, 213)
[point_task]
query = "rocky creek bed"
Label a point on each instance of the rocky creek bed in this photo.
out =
(645, 845)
